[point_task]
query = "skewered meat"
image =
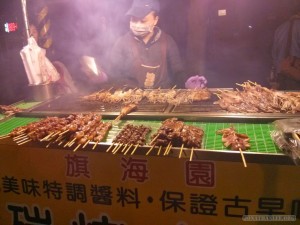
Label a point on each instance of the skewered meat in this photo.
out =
(129, 96)
(176, 133)
(233, 140)
(80, 129)
(9, 110)
(162, 96)
(132, 134)
(40, 129)
(126, 109)
(255, 98)
(176, 97)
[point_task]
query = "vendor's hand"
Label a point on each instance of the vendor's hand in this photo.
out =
(196, 82)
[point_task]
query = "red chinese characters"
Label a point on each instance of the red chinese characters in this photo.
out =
(135, 169)
(200, 173)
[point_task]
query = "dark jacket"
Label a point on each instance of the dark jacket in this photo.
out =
(152, 65)
(281, 50)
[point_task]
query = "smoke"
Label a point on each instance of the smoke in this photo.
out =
(89, 27)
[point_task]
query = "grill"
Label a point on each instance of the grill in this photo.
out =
(198, 107)
(73, 104)
(196, 111)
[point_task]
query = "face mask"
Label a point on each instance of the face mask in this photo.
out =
(140, 30)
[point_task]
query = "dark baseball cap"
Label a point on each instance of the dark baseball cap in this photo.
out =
(141, 8)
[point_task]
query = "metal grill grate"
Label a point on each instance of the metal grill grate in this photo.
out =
(71, 104)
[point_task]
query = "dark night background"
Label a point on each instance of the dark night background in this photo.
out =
(226, 50)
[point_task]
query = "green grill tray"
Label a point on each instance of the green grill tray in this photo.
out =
(259, 134)
(22, 105)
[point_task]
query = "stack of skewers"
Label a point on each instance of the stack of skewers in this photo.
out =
(131, 136)
(161, 96)
(83, 129)
(9, 110)
(174, 133)
(78, 129)
(253, 98)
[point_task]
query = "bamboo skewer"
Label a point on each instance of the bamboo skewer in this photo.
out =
(150, 150)
(85, 144)
(117, 149)
(192, 152)
(154, 139)
(117, 145)
(95, 145)
(78, 146)
(243, 158)
(47, 146)
(21, 131)
(125, 150)
(251, 82)
(125, 146)
(4, 136)
(112, 144)
(71, 144)
(134, 149)
(181, 149)
(295, 135)
(58, 138)
(118, 118)
(67, 143)
(169, 149)
(22, 140)
(128, 149)
(55, 134)
(60, 143)
(19, 137)
(62, 133)
(74, 139)
(218, 95)
(241, 85)
(21, 143)
(166, 150)
(158, 152)
(46, 137)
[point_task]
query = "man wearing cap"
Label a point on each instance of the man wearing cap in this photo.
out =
(146, 57)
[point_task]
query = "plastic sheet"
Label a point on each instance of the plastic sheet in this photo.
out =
(38, 68)
(287, 137)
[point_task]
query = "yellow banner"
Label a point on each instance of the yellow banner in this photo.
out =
(54, 186)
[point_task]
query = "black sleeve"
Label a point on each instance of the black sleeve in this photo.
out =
(175, 63)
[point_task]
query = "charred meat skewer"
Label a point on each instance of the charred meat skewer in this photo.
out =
(125, 110)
